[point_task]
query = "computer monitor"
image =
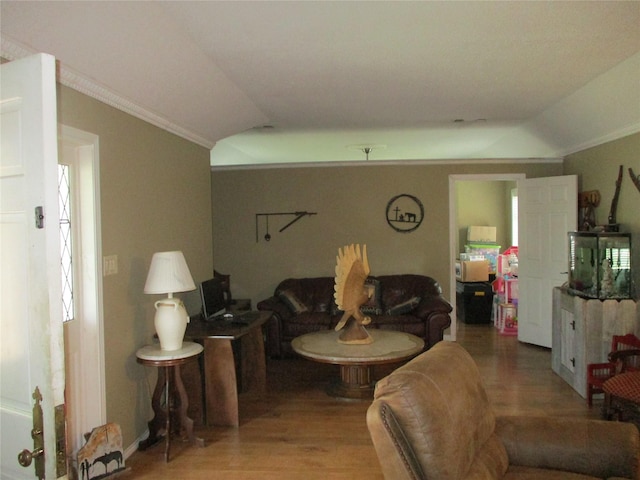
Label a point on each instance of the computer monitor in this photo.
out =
(212, 296)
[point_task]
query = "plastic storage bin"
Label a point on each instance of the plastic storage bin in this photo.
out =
(474, 301)
(490, 253)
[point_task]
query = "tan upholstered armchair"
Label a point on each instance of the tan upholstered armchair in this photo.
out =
(431, 419)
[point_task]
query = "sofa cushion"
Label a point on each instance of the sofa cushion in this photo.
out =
(400, 288)
(305, 323)
(322, 306)
(293, 302)
(400, 323)
(311, 318)
(405, 319)
(403, 307)
(314, 293)
(374, 304)
(335, 311)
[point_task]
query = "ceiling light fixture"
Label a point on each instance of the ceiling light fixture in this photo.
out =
(366, 149)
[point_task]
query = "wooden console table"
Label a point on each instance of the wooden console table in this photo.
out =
(220, 382)
(172, 416)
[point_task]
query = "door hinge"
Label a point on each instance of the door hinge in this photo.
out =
(39, 217)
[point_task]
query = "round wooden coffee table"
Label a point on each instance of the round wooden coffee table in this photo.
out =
(356, 360)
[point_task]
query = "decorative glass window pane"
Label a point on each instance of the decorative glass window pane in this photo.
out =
(64, 200)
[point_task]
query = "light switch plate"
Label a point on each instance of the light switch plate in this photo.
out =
(109, 265)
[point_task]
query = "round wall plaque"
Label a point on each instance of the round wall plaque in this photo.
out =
(404, 213)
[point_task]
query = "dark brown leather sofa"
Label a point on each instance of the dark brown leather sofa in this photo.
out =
(432, 419)
(407, 303)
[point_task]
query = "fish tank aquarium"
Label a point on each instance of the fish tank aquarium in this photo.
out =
(600, 265)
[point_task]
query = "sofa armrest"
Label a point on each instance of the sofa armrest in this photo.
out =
(434, 311)
(275, 305)
(432, 304)
(279, 313)
(397, 459)
(590, 447)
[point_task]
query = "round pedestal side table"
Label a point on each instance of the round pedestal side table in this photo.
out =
(355, 361)
(170, 416)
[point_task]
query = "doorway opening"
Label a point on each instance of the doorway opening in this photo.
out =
(84, 332)
(503, 184)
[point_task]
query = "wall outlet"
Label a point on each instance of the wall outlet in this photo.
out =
(109, 265)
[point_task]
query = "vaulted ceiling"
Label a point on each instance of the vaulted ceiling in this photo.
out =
(322, 81)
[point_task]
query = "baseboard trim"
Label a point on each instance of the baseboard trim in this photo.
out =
(133, 448)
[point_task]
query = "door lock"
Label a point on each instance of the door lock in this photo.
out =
(25, 457)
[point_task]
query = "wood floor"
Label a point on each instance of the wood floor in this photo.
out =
(297, 431)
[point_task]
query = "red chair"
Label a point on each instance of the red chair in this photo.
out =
(598, 373)
(622, 391)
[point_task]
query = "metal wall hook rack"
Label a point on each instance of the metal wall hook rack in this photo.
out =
(634, 178)
(297, 216)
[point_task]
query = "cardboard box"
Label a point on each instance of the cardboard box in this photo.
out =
(472, 271)
(477, 234)
(490, 253)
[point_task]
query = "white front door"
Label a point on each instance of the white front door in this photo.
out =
(31, 349)
(547, 210)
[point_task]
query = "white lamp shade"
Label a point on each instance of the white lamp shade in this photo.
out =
(169, 273)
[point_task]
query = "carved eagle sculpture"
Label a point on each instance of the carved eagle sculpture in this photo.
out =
(352, 270)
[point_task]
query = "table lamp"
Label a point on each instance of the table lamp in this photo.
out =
(169, 274)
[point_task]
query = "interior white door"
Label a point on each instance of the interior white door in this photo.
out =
(547, 210)
(31, 348)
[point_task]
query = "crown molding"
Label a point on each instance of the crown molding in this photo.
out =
(395, 163)
(594, 142)
(13, 50)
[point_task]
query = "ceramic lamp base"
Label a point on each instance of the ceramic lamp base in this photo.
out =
(170, 322)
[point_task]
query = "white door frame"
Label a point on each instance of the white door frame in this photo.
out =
(88, 398)
(453, 230)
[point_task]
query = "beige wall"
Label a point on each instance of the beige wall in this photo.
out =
(484, 203)
(351, 203)
(597, 169)
(155, 196)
